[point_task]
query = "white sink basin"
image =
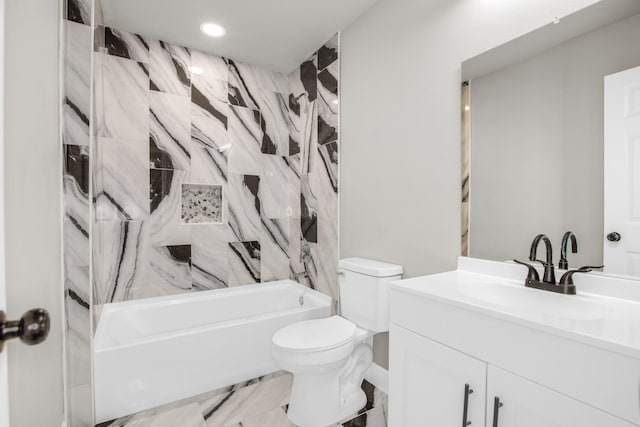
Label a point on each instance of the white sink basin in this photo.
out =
(511, 298)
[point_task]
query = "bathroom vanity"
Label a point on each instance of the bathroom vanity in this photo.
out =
(475, 347)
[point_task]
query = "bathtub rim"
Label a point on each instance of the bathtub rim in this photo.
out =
(318, 299)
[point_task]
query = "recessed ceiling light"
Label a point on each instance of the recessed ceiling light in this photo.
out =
(213, 30)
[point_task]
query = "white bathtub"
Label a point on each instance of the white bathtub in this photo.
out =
(158, 350)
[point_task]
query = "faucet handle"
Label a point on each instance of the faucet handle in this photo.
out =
(567, 278)
(533, 273)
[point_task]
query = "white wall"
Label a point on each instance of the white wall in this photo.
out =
(400, 143)
(32, 200)
(543, 118)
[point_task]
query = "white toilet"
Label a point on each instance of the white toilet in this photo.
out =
(329, 357)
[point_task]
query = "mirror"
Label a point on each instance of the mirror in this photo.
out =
(533, 138)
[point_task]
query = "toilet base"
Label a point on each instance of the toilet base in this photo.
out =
(322, 399)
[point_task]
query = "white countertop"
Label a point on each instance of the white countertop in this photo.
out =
(597, 316)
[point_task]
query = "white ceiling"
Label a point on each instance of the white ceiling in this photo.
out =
(277, 34)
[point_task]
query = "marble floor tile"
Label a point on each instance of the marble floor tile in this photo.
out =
(277, 180)
(209, 256)
(183, 416)
(169, 68)
(274, 418)
(169, 131)
(244, 403)
(77, 76)
(375, 417)
(274, 250)
(121, 179)
(165, 203)
(208, 65)
(243, 194)
(122, 104)
(79, 11)
(245, 139)
(275, 123)
(126, 45)
(244, 263)
(244, 84)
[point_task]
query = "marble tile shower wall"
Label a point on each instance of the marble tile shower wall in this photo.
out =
(210, 172)
(76, 140)
(188, 172)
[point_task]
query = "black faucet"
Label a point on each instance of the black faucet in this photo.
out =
(564, 264)
(549, 275)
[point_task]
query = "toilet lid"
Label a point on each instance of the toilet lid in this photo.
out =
(315, 334)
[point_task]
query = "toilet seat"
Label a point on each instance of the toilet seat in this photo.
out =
(315, 342)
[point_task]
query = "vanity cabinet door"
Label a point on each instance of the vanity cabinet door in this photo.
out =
(431, 385)
(521, 403)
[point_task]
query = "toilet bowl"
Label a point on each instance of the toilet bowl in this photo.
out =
(329, 357)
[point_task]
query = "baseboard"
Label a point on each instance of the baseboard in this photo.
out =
(379, 377)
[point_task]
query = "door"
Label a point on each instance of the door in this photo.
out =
(433, 385)
(622, 172)
(513, 401)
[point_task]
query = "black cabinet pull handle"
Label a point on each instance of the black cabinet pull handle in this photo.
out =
(496, 408)
(32, 328)
(467, 392)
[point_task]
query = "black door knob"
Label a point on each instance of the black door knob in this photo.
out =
(614, 237)
(32, 328)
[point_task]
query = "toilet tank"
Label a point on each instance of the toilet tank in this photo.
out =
(364, 291)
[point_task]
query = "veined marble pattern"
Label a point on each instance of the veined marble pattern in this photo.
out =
(123, 99)
(76, 205)
(244, 263)
(244, 209)
(79, 11)
(77, 75)
(244, 84)
(78, 325)
(169, 272)
(308, 77)
(328, 53)
(328, 111)
(201, 203)
(274, 250)
(275, 126)
(277, 183)
(126, 45)
(169, 131)
(209, 256)
(209, 119)
(208, 166)
(245, 139)
(121, 180)
(272, 81)
(169, 68)
(209, 66)
(120, 259)
(165, 200)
